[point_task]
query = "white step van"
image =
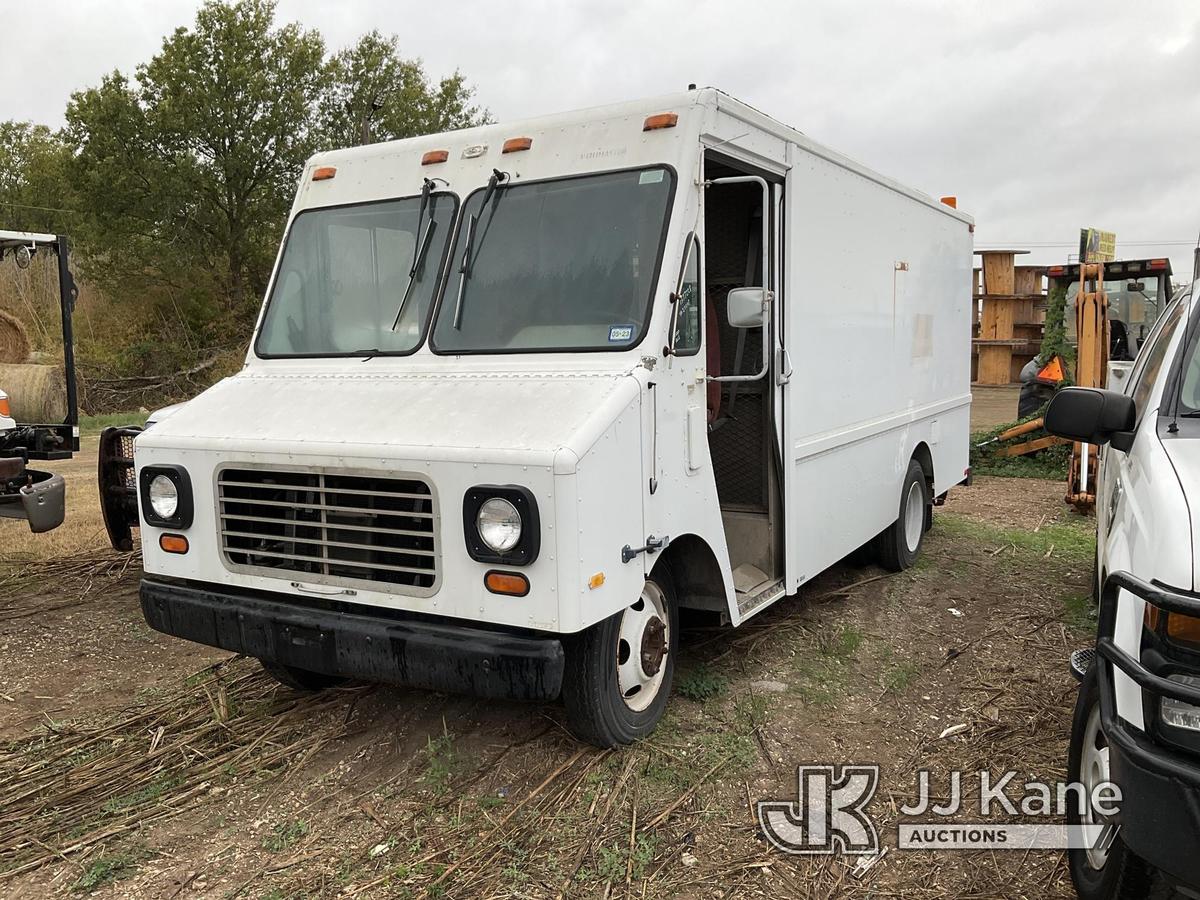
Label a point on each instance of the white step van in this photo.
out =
(520, 392)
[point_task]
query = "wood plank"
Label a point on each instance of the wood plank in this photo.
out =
(1030, 446)
(999, 273)
(994, 364)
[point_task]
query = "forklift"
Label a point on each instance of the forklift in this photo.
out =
(27, 493)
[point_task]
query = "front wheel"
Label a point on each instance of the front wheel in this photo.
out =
(618, 672)
(901, 542)
(1098, 873)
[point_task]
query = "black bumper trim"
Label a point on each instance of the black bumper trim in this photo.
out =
(1160, 787)
(432, 655)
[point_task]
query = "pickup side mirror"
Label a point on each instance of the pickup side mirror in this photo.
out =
(744, 307)
(1093, 416)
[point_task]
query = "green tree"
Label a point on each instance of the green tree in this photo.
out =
(372, 72)
(193, 167)
(33, 178)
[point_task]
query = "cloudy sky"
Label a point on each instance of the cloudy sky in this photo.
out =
(1041, 117)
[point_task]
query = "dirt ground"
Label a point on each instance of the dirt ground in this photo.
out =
(993, 405)
(136, 765)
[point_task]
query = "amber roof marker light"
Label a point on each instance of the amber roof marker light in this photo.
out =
(661, 120)
(324, 173)
(435, 156)
(517, 144)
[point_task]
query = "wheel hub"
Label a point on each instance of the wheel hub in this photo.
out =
(654, 645)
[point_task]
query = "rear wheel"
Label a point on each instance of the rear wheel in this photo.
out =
(300, 679)
(900, 544)
(618, 672)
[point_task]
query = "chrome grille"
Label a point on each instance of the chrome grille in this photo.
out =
(331, 526)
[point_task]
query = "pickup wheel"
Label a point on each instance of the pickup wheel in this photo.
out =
(1115, 873)
(618, 672)
(300, 679)
(900, 543)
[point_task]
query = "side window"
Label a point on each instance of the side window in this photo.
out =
(686, 339)
(1150, 361)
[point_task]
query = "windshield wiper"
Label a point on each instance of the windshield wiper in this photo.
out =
(422, 248)
(468, 259)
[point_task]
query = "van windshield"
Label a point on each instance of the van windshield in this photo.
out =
(567, 264)
(344, 273)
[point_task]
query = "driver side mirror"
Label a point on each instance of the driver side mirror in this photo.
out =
(1093, 416)
(745, 306)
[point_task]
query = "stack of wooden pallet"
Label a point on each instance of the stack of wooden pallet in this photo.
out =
(1010, 310)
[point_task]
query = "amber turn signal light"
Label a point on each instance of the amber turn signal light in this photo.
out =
(662, 120)
(512, 145)
(435, 156)
(513, 584)
(173, 543)
(5, 409)
(324, 173)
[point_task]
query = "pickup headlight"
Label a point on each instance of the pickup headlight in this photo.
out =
(166, 493)
(500, 524)
(1180, 714)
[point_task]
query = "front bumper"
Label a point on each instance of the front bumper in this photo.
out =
(1160, 785)
(423, 653)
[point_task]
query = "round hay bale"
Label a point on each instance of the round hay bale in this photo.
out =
(37, 394)
(14, 342)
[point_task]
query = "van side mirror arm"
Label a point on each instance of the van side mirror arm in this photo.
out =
(768, 295)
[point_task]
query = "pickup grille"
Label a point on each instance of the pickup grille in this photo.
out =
(333, 527)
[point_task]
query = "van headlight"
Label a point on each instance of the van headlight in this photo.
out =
(1176, 712)
(500, 524)
(166, 493)
(164, 496)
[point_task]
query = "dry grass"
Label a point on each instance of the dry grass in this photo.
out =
(77, 787)
(379, 792)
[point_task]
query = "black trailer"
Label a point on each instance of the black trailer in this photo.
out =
(27, 493)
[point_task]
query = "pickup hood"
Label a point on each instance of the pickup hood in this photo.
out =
(1185, 459)
(544, 418)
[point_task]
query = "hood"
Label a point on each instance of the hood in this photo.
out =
(544, 418)
(1184, 454)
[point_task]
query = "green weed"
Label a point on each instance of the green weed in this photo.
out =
(284, 835)
(700, 683)
(105, 870)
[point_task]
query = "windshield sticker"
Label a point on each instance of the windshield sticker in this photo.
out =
(619, 334)
(654, 176)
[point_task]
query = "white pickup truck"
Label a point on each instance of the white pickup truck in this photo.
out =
(1137, 718)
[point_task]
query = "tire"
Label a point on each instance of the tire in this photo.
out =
(300, 679)
(610, 696)
(900, 543)
(1119, 874)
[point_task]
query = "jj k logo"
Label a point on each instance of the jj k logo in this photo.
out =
(829, 813)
